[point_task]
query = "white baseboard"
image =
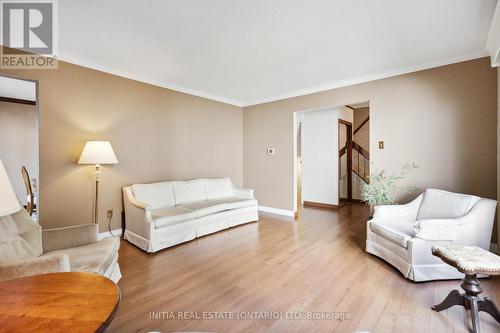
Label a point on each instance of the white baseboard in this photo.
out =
(278, 211)
(495, 248)
(116, 232)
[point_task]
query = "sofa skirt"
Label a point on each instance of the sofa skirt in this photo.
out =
(169, 236)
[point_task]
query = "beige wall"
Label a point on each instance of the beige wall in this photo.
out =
(157, 134)
(443, 119)
(19, 143)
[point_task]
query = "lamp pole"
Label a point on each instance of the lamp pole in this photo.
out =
(96, 179)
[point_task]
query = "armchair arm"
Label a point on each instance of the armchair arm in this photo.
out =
(480, 218)
(50, 263)
(67, 237)
(244, 193)
(409, 210)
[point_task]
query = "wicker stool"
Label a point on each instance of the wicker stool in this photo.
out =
(470, 260)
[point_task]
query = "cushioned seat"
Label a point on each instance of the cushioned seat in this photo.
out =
(396, 231)
(94, 257)
(170, 215)
(236, 202)
(203, 208)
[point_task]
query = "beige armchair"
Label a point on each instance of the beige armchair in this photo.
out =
(27, 250)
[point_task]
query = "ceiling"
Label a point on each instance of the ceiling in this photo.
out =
(18, 89)
(248, 52)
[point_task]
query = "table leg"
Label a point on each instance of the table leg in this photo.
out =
(487, 305)
(453, 298)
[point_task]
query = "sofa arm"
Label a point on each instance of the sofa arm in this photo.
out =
(138, 218)
(244, 193)
(67, 237)
(408, 211)
(50, 263)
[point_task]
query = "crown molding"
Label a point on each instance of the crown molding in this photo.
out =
(297, 93)
(140, 78)
(372, 77)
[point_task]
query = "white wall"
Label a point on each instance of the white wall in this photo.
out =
(320, 156)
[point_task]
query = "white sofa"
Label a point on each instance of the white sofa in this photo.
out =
(403, 235)
(164, 214)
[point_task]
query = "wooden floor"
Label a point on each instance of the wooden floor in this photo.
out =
(278, 268)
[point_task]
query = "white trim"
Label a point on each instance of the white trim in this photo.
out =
(493, 43)
(106, 234)
(372, 77)
(301, 92)
(140, 78)
(278, 211)
(294, 161)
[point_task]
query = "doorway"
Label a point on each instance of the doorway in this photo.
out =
(354, 152)
(345, 160)
(19, 139)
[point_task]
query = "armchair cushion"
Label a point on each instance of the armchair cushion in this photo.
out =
(62, 238)
(398, 231)
(93, 257)
(19, 240)
(33, 266)
(439, 204)
(436, 229)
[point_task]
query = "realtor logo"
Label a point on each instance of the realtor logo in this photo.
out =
(28, 34)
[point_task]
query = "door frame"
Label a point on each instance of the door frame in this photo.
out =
(349, 158)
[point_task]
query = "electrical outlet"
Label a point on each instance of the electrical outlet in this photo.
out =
(110, 213)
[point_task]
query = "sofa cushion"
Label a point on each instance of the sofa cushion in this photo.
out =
(394, 230)
(439, 204)
(204, 208)
(171, 215)
(189, 191)
(218, 188)
(236, 202)
(157, 195)
(95, 257)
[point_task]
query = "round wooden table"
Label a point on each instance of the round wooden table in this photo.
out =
(58, 302)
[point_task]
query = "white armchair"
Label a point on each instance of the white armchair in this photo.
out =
(403, 235)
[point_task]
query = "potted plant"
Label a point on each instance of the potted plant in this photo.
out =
(383, 188)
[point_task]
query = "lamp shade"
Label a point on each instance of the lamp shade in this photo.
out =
(98, 152)
(8, 200)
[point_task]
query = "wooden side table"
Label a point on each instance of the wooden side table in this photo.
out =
(58, 302)
(470, 260)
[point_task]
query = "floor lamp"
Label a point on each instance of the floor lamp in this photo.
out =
(97, 153)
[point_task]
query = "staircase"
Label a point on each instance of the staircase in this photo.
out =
(360, 162)
(359, 156)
